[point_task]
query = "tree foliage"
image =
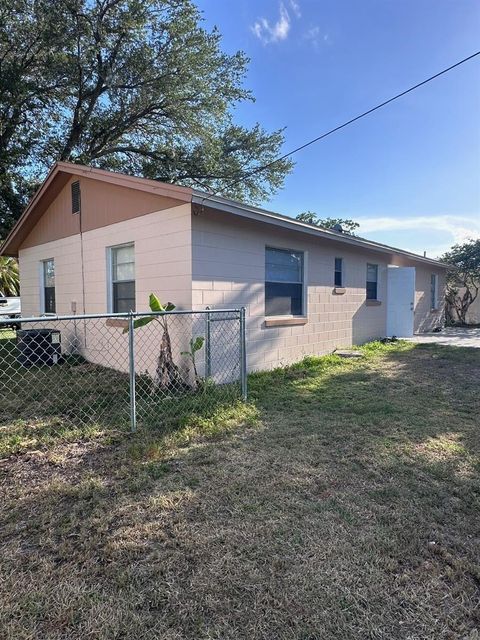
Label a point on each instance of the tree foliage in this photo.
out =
(9, 277)
(138, 86)
(463, 279)
(348, 226)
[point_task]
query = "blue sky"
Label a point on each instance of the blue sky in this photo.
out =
(410, 173)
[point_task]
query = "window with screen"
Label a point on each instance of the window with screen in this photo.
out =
(372, 281)
(283, 282)
(122, 260)
(338, 274)
(48, 278)
(433, 291)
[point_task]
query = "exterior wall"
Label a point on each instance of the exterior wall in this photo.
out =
(425, 318)
(162, 258)
(105, 204)
(162, 265)
(68, 277)
(56, 222)
(162, 249)
(229, 271)
(107, 198)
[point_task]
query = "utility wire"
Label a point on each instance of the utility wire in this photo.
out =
(261, 168)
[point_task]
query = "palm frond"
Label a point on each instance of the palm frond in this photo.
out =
(9, 277)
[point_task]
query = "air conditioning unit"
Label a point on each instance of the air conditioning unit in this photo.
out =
(38, 347)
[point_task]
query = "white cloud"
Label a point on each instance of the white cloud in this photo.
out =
(459, 228)
(267, 32)
(313, 33)
(295, 8)
(315, 36)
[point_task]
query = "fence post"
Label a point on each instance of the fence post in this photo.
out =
(243, 354)
(208, 352)
(131, 369)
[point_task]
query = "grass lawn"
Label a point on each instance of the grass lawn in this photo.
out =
(342, 502)
(41, 406)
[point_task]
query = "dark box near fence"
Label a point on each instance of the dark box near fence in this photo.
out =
(38, 346)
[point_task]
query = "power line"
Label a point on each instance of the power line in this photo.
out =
(261, 168)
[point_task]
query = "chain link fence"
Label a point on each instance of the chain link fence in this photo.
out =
(121, 370)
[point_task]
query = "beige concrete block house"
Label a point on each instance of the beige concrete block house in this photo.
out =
(93, 241)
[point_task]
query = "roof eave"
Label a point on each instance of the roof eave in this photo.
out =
(4, 248)
(269, 217)
(175, 192)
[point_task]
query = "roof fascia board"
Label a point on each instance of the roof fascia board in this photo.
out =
(121, 179)
(182, 194)
(262, 215)
(26, 212)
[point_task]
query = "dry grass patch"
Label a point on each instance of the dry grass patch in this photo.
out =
(341, 503)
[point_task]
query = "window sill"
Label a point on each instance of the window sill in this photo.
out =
(117, 322)
(373, 303)
(286, 321)
(339, 291)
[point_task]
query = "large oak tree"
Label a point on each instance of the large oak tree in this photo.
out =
(138, 86)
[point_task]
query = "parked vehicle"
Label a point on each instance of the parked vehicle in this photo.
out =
(10, 308)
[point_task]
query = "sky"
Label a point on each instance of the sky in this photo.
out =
(410, 172)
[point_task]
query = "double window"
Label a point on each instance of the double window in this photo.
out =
(338, 274)
(48, 286)
(284, 282)
(122, 278)
(372, 281)
(434, 291)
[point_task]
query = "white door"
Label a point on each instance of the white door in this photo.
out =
(400, 301)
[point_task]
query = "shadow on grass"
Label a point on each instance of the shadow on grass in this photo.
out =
(75, 399)
(359, 498)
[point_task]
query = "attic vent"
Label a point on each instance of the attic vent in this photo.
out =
(76, 197)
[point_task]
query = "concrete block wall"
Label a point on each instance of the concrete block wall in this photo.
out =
(68, 276)
(228, 267)
(162, 258)
(426, 318)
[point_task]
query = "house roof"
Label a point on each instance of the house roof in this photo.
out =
(56, 180)
(204, 199)
(62, 171)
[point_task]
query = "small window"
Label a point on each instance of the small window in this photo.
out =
(48, 285)
(283, 282)
(434, 291)
(122, 278)
(372, 281)
(76, 197)
(338, 276)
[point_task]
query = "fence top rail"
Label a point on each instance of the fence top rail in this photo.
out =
(91, 316)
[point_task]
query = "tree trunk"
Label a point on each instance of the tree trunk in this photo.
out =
(168, 375)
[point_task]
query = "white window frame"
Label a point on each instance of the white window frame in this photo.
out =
(342, 272)
(41, 271)
(304, 313)
(110, 283)
(373, 264)
(434, 307)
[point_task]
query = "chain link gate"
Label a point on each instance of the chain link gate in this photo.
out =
(121, 370)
